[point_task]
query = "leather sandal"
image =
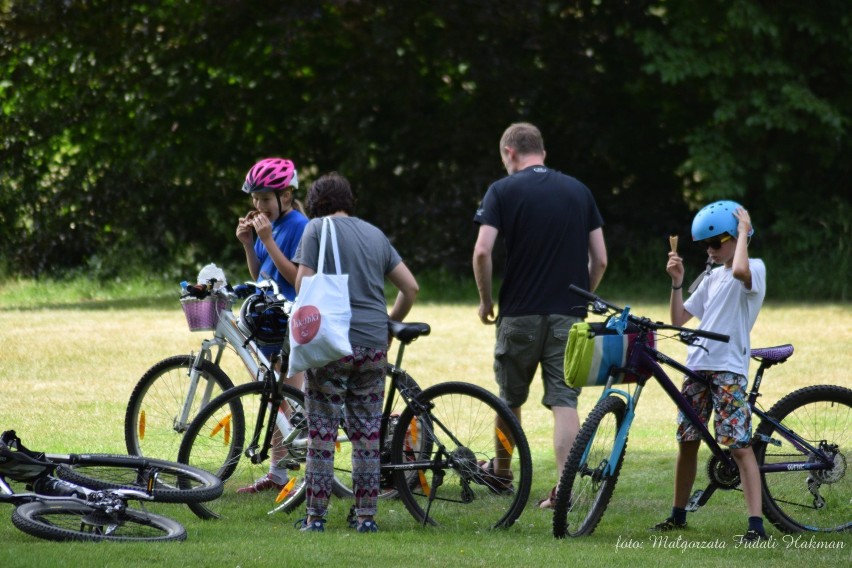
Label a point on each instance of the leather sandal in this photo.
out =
(550, 500)
(487, 477)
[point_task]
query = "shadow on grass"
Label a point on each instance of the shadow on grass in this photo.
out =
(159, 302)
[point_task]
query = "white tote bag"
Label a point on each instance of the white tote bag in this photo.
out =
(319, 324)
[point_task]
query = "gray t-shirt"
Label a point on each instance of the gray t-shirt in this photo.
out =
(366, 255)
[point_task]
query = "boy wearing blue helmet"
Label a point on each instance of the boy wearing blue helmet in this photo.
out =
(726, 301)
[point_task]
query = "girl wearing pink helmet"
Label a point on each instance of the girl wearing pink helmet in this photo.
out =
(278, 219)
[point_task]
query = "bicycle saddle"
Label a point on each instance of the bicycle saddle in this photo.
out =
(408, 332)
(773, 354)
(19, 463)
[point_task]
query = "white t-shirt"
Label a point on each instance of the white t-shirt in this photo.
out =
(723, 305)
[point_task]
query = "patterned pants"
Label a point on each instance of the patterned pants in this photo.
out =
(357, 383)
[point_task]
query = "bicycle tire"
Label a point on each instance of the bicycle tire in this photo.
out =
(460, 417)
(174, 483)
(150, 420)
(582, 495)
(216, 442)
(822, 415)
(70, 520)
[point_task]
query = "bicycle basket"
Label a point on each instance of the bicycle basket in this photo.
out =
(202, 314)
(594, 351)
(264, 320)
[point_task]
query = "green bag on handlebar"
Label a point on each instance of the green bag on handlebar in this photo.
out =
(594, 352)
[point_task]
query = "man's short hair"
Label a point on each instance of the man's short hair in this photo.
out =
(524, 137)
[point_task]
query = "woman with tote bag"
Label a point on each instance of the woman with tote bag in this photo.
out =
(365, 255)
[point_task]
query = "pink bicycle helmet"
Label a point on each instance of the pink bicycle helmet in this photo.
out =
(271, 174)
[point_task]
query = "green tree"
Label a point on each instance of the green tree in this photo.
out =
(770, 85)
(126, 127)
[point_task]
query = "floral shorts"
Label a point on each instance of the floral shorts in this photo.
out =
(728, 398)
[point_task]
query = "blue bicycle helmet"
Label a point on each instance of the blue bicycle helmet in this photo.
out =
(716, 219)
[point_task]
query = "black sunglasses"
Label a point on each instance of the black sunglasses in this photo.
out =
(715, 243)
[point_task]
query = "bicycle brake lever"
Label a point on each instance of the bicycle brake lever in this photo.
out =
(598, 307)
(691, 339)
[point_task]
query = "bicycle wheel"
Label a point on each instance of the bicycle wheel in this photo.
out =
(69, 520)
(342, 487)
(219, 440)
(459, 430)
(585, 488)
(152, 421)
(169, 482)
(818, 500)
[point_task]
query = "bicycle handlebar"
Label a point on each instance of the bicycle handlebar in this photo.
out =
(240, 291)
(601, 306)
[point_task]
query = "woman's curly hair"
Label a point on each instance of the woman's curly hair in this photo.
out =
(328, 195)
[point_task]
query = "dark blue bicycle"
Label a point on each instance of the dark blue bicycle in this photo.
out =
(802, 444)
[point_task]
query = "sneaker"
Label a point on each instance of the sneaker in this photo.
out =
(367, 526)
(265, 483)
(317, 525)
(668, 525)
(752, 535)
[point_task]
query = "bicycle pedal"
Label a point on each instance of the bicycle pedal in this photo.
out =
(768, 439)
(693, 504)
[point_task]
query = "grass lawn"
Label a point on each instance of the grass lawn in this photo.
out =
(66, 372)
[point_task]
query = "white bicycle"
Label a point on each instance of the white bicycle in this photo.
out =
(170, 393)
(173, 391)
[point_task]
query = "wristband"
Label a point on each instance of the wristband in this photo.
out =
(677, 287)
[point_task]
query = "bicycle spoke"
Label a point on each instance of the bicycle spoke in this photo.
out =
(161, 407)
(589, 478)
(209, 445)
(61, 520)
(455, 441)
(816, 500)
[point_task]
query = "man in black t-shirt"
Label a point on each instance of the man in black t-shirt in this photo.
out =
(553, 237)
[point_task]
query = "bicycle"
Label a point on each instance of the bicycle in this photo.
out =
(801, 444)
(85, 496)
(432, 451)
(170, 393)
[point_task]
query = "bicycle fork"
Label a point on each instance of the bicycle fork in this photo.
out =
(181, 421)
(606, 468)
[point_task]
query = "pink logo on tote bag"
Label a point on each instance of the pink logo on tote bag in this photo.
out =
(305, 324)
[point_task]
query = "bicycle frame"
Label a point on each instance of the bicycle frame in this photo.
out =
(82, 495)
(649, 361)
(401, 383)
(226, 332)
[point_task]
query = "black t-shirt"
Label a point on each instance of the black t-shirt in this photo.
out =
(545, 218)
